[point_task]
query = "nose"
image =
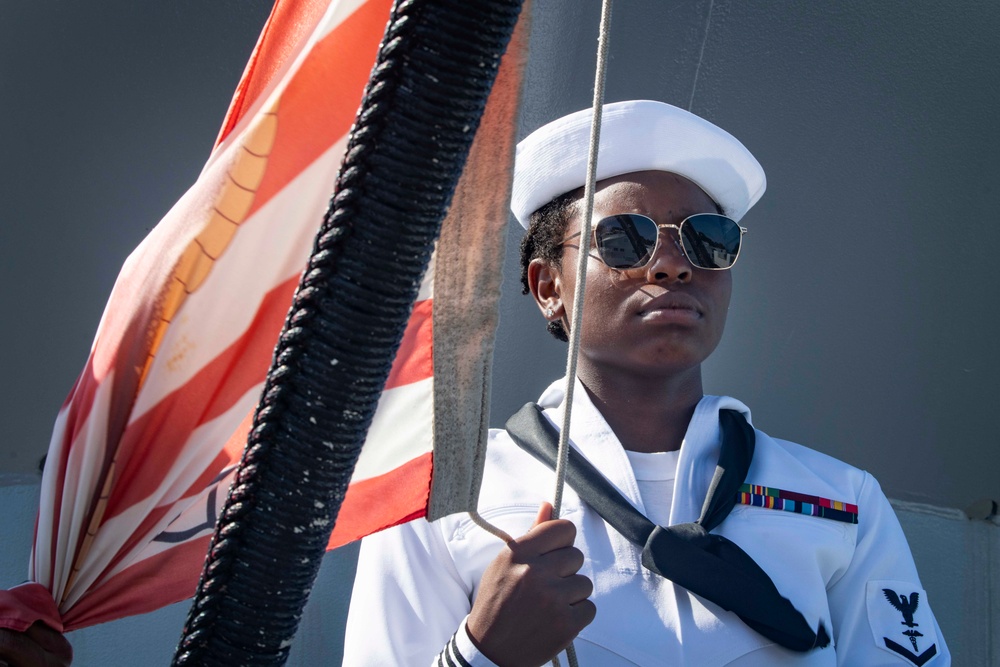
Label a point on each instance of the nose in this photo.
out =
(668, 263)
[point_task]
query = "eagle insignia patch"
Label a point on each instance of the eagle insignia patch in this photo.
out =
(901, 621)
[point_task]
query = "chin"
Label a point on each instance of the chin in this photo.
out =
(680, 351)
(668, 364)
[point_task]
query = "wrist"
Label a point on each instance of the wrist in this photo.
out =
(467, 647)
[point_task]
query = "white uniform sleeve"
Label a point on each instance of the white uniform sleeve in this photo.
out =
(409, 602)
(879, 610)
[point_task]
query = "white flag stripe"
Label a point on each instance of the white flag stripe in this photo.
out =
(427, 284)
(41, 559)
(42, 551)
(80, 488)
(401, 430)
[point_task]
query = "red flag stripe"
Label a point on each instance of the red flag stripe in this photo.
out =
(374, 504)
(85, 466)
(69, 423)
(146, 586)
(323, 102)
(288, 27)
(414, 359)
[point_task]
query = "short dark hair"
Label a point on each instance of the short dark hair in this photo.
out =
(544, 240)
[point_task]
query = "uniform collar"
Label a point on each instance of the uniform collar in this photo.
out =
(699, 456)
(591, 435)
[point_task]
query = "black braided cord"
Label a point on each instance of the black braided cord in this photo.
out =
(423, 104)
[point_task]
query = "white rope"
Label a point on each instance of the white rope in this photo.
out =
(581, 265)
(495, 531)
(581, 274)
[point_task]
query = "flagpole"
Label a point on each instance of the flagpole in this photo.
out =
(410, 140)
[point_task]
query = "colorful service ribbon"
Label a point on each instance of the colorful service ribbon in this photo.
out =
(800, 503)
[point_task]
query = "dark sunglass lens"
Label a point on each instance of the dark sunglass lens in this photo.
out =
(625, 241)
(711, 241)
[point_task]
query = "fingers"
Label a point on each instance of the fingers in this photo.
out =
(548, 544)
(564, 562)
(577, 588)
(17, 650)
(57, 647)
(38, 646)
(544, 513)
(584, 611)
(544, 537)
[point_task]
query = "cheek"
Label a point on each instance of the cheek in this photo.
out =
(607, 291)
(605, 308)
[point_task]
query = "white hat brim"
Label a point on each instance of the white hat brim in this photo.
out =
(637, 135)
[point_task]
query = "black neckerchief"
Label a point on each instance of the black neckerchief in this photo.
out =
(687, 554)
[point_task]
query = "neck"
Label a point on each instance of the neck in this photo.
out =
(647, 414)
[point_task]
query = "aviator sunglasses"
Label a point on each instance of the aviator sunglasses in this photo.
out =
(708, 240)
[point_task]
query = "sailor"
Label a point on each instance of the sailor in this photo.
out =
(816, 569)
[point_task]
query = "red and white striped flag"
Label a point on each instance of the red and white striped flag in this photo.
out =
(144, 447)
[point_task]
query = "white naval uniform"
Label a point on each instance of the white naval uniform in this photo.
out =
(416, 582)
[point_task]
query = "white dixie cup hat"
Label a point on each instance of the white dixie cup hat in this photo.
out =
(637, 135)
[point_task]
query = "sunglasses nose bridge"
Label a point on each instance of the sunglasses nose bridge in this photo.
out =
(663, 231)
(663, 260)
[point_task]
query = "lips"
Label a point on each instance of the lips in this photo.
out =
(672, 306)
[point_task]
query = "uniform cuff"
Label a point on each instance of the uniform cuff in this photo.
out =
(461, 652)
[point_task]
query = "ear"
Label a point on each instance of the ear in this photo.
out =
(545, 283)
